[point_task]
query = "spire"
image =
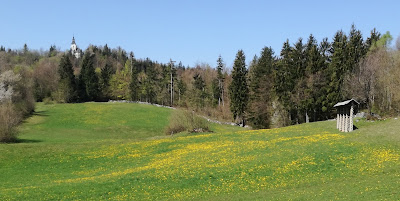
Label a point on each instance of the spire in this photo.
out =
(73, 40)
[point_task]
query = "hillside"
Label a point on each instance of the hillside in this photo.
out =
(118, 151)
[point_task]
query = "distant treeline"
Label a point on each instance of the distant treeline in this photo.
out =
(301, 84)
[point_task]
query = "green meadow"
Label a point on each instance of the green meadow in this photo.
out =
(118, 151)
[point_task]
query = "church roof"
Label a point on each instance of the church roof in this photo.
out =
(73, 40)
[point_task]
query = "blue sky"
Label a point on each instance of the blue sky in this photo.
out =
(187, 30)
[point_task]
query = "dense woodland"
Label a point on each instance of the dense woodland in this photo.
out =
(301, 83)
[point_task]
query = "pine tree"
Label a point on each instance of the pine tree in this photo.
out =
(181, 89)
(261, 87)
(298, 71)
(313, 80)
(67, 79)
(199, 94)
(134, 85)
(220, 80)
(298, 58)
(88, 80)
(216, 93)
(52, 51)
(336, 69)
(371, 40)
(239, 92)
(356, 49)
(284, 76)
(150, 83)
(25, 50)
(106, 73)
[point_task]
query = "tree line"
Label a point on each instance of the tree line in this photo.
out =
(299, 85)
(308, 78)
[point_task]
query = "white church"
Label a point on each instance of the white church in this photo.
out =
(74, 49)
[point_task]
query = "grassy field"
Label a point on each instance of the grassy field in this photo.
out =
(118, 151)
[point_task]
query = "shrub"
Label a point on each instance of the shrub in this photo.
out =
(48, 101)
(9, 119)
(186, 121)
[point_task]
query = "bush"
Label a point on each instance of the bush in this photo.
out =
(186, 121)
(9, 119)
(48, 101)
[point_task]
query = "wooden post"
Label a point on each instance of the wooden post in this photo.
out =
(351, 118)
(346, 121)
(341, 119)
(337, 119)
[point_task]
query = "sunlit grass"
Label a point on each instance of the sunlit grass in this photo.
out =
(117, 155)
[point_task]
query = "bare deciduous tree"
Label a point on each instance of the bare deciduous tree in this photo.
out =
(362, 83)
(45, 78)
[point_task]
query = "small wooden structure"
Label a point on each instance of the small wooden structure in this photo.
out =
(345, 113)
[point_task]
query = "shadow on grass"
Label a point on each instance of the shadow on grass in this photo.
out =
(40, 113)
(17, 141)
(26, 141)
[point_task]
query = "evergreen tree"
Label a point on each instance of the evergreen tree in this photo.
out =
(181, 89)
(106, 73)
(149, 86)
(67, 79)
(52, 51)
(220, 81)
(88, 80)
(106, 51)
(134, 85)
(312, 83)
(25, 50)
(284, 76)
(336, 69)
(356, 49)
(199, 93)
(261, 85)
(180, 66)
(239, 92)
(298, 59)
(216, 93)
(372, 39)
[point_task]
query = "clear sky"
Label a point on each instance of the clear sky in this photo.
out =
(191, 31)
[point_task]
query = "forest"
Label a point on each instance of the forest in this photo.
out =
(299, 84)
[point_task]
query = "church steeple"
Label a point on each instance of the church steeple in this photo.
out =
(73, 40)
(74, 49)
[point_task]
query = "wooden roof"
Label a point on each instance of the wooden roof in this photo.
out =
(345, 103)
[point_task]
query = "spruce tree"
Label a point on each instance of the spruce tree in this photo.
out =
(261, 85)
(284, 76)
(67, 78)
(134, 85)
(220, 80)
(356, 49)
(199, 94)
(371, 40)
(106, 73)
(181, 89)
(239, 92)
(311, 104)
(336, 69)
(88, 80)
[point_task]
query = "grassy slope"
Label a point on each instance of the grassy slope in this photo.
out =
(113, 152)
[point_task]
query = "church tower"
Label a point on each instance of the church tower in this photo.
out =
(74, 49)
